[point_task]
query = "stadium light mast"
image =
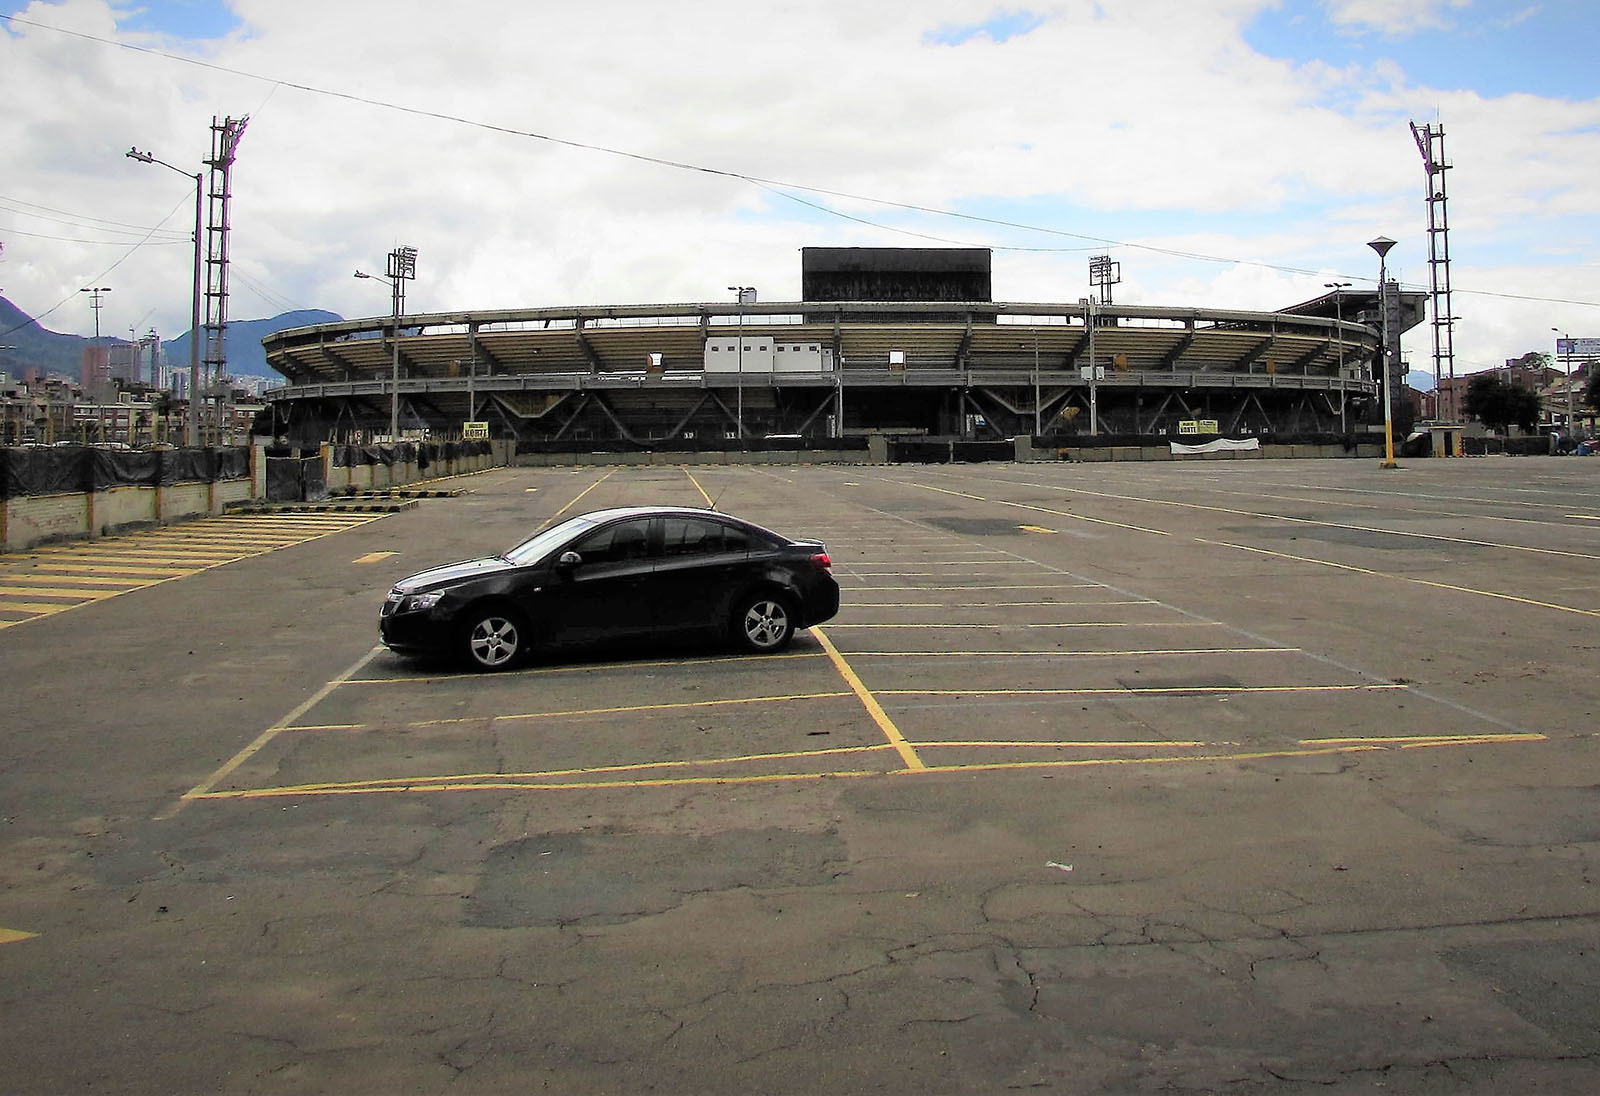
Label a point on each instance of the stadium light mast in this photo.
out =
(402, 266)
(1382, 245)
(1338, 315)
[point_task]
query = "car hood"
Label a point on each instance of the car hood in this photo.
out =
(453, 572)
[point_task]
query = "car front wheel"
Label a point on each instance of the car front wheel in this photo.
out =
(764, 623)
(494, 639)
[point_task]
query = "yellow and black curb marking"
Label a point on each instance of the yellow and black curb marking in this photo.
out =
(48, 580)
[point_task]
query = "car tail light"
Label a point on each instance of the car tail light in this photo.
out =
(821, 561)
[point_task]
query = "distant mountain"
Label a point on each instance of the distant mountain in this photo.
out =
(243, 346)
(1420, 381)
(54, 352)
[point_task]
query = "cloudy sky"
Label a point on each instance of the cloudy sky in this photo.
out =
(1229, 153)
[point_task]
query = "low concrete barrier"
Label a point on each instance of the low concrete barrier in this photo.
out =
(35, 519)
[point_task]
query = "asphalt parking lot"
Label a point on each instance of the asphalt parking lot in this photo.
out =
(1233, 776)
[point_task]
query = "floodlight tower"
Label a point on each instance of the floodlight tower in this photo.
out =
(1103, 274)
(224, 146)
(1430, 142)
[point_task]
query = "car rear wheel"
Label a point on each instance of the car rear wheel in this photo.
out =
(494, 638)
(764, 622)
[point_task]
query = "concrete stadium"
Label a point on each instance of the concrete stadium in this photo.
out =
(890, 341)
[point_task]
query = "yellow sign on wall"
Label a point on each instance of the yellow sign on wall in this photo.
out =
(474, 431)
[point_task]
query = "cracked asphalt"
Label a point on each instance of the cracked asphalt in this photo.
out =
(1241, 777)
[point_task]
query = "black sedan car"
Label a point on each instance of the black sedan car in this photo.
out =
(661, 572)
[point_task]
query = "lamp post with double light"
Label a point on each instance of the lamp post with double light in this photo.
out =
(192, 419)
(1382, 245)
(746, 295)
(1564, 343)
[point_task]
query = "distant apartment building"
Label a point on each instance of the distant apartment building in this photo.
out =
(96, 367)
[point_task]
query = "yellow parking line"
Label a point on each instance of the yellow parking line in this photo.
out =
(552, 519)
(1024, 627)
(1175, 690)
(697, 487)
(11, 936)
(56, 591)
(980, 586)
(575, 713)
(39, 608)
(1087, 762)
(1042, 510)
(90, 580)
(202, 789)
(559, 785)
(1429, 739)
(1130, 653)
(581, 667)
(374, 557)
(1405, 578)
(992, 604)
(551, 774)
(1049, 744)
(870, 703)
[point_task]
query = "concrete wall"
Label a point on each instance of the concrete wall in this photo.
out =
(1026, 451)
(25, 522)
(800, 456)
(377, 477)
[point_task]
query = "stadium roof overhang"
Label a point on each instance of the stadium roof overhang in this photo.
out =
(976, 341)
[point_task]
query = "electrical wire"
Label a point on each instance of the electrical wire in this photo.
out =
(778, 185)
(100, 276)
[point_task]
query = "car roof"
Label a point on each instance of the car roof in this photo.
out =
(655, 511)
(615, 512)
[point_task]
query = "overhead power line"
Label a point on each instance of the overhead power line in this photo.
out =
(754, 180)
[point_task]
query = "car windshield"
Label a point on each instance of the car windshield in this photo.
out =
(540, 544)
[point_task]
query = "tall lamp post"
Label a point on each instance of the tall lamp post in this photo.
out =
(1338, 315)
(1382, 245)
(402, 266)
(192, 420)
(1565, 342)
(746, 296)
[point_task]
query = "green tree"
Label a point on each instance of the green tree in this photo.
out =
(1498, 404)
(1591, 391)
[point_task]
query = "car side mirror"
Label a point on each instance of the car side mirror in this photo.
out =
(568, 560)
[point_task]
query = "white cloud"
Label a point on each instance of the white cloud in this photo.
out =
(1393, 17)
(1156, 118)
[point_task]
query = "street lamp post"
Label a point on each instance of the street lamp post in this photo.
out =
(1566, 339)
(1382, 245)
(192, 421)
(746, 294)
(402, 265)
(1338, 316)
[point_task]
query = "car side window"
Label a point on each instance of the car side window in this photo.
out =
(690, 537)
(626, 540)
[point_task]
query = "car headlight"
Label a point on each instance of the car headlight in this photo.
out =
(418, 603)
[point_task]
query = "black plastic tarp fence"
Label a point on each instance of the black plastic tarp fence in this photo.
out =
(933, 451)
(426, 453)
(295, 475)
(77, 469)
